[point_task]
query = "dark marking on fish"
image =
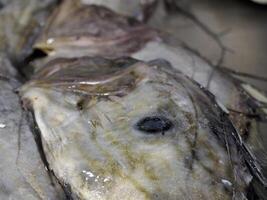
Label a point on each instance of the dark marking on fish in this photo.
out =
(154, 125)
(227, 134)
(251, 193)
(38, 140)
(19, 134)
(80, 104)
(67, 190)
(36, 54)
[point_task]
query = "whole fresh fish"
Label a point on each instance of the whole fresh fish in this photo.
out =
(127, 129)
(108, 34)
(168, 152)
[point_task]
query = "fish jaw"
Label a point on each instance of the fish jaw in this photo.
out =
(98, 150)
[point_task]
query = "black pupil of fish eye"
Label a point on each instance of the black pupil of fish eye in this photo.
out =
(154, 124)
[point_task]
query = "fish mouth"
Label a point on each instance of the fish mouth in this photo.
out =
(45, 48)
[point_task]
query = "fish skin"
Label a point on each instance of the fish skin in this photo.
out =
(22, 172)
(117, 37)
(223, 86)
(226, 89)
(92, 116)
(77, 30)
(20, 23)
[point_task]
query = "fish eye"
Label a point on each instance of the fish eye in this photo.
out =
(154, 125)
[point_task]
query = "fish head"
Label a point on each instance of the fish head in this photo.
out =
(126, 129)
(75, 30)
(21, 21)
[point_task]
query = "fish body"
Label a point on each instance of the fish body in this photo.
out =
(127, 129)
(105, 33)
(21, 21)
(22, 172)
(91, 30)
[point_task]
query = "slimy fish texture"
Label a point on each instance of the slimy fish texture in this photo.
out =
(22, 172)
(75, 30)
(83, 30)
(20, 22)
(126, 129)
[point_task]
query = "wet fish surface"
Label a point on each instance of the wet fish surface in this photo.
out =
(20, 23)
(75, 30)
(104, 33)
(127, 129)
(101, 142)
(22, 172)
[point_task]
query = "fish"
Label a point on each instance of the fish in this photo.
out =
(211, 39)
(241, 105)
(91, 32)
(22, 172)
(115, 36)
(21, 21)
(129, 129)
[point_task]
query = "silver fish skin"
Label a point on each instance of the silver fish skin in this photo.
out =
(22, 172)
(126, 129)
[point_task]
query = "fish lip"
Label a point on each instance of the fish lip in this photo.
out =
(44, 47)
